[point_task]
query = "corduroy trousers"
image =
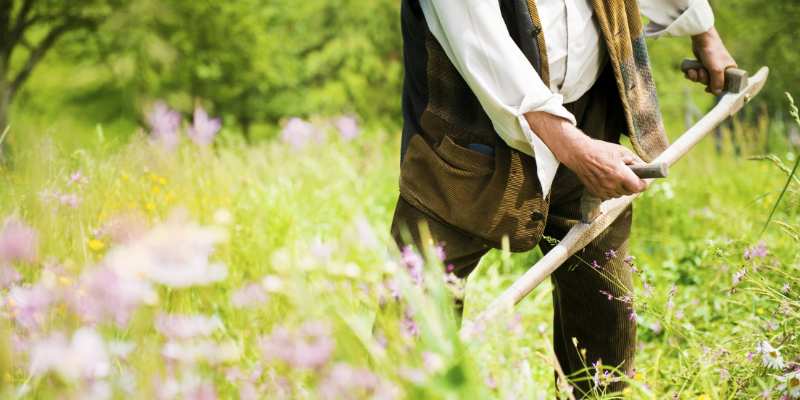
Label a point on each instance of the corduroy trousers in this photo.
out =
(582, 312)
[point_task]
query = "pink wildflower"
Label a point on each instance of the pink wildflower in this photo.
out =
(310, 347)
(18, 241)
(203, 128)
(757, 251)
(8, 276)
(346, 382)
(610, 253)
(176, 326)
(29, 306)
(77, 178)
(103, 294)
(84, 356)
(251, 295)
(298, 133)
(164, 123)
(413, 263)
(175, 253)
(347, 127)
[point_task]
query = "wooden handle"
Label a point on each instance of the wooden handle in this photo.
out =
(650, 171)
(735, 78)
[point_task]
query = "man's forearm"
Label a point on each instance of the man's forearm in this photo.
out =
(560, 135)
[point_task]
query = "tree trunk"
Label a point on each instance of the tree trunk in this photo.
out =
(245, 122)
(5, 102)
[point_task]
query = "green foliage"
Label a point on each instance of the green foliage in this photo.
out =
(257, 61)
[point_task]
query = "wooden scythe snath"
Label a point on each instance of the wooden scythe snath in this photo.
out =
(739, 91)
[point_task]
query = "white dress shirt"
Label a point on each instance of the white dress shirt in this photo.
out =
(476, 39)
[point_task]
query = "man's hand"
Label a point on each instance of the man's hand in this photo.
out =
(601, 166)
(711, 52)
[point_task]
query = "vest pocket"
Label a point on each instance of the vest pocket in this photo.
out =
(473, 192)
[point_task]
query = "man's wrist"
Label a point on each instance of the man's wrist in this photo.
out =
(702, 39)
(560, 135)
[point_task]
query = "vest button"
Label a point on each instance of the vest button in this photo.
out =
(535, 31)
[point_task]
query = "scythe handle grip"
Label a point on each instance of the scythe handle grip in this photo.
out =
(735, 78)
(650, 171)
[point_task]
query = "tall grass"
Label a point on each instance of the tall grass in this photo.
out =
(309, 261)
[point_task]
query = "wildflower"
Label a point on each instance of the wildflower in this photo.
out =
(438, 250)
(298, 133)
(413, 263)
(656, 327)
(790, 384)
(96, 245)
(309, 347)
(365, 233)
(272, 283)
(347, 127)
(250, 295)
(629, 260)
(433, 362)
(203, 128)
(608, 295)
(648, 289)
(770, 356)
(738, 276)
(632, 315)
(77, 178)
(18, 241)
(346, 382)
(174, 254)
(321, 251)
(29, 306)
(103, 294)
(164, 123)
(194, 351)
(8, 276)
(84, 356)
(69, 200)
(596, 265)
(610, 253)
(671, 296)
(409, 325)
(757, 251)
(177, 326)
(786, 288)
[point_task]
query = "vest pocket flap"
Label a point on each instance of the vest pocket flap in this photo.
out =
(464, 158)
(473, 192)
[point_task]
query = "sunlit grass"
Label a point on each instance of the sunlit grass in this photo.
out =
(309, 228)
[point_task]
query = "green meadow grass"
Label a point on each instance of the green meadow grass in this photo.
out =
(691, 231)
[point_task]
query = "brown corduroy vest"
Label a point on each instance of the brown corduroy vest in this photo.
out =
(491, 194)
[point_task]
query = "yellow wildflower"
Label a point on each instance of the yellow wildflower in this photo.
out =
(155, 189)
(150, 206)
(703, 397)
(64, 280)
(96, 245)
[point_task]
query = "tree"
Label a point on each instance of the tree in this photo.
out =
(257, 61)
(29, 29)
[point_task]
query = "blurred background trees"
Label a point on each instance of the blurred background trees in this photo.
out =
(256, 62)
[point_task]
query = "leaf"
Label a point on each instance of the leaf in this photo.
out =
(796, 115)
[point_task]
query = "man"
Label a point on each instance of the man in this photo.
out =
(512, 108)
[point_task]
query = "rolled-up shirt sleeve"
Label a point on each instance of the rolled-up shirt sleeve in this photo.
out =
(677, 17)
(475, 38)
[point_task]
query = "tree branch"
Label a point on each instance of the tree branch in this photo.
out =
(38, 52)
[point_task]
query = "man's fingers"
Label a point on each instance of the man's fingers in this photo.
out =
(631, 183)
(691, 75)
(717, 81)
(702, 76)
